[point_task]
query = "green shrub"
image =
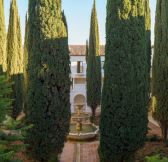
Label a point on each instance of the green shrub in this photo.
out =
(156, 158)
(5, 101)
(10, 130)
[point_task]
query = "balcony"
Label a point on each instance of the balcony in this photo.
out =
(79, 88)
(80, 74)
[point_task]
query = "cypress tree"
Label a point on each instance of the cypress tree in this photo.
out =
(148, 37)
(15, 58)
(8, 151)
(123, 123)
(160, 67)
(25, 62)
(5, 101)
(3, 65)
(64, 20)
(49, 80)
(94, 65)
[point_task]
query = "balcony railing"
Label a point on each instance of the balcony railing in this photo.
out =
(79, 87)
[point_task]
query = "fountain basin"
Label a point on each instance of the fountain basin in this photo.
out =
(88, 131)
(82, 117)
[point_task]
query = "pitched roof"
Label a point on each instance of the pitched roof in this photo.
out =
(80, 50)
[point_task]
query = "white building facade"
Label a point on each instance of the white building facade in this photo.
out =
(78, 76)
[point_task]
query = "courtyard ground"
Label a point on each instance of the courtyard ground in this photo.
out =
(87, 151)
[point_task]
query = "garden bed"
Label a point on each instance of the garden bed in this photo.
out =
(151, 148)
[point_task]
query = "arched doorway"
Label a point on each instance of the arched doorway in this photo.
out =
(79, 100)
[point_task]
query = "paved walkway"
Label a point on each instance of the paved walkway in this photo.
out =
(154, 129)
(150, 118)
(69, 153)
(80, 152)
(87, 152)
(154, 126)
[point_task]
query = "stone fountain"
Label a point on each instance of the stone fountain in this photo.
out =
(81, 128)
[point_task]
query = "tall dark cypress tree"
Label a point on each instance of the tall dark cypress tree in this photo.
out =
(15, 58)
(65, 21)
(49, 79)
(123, 123)
(94, 65)
(148, 37)
(3, 65)
(25, 63)
(160, 67)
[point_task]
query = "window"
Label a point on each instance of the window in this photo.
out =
(80, 67)
(79, 80)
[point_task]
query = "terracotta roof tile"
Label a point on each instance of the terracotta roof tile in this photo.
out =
(80, 50)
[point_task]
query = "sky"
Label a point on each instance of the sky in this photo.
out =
(78, 17)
